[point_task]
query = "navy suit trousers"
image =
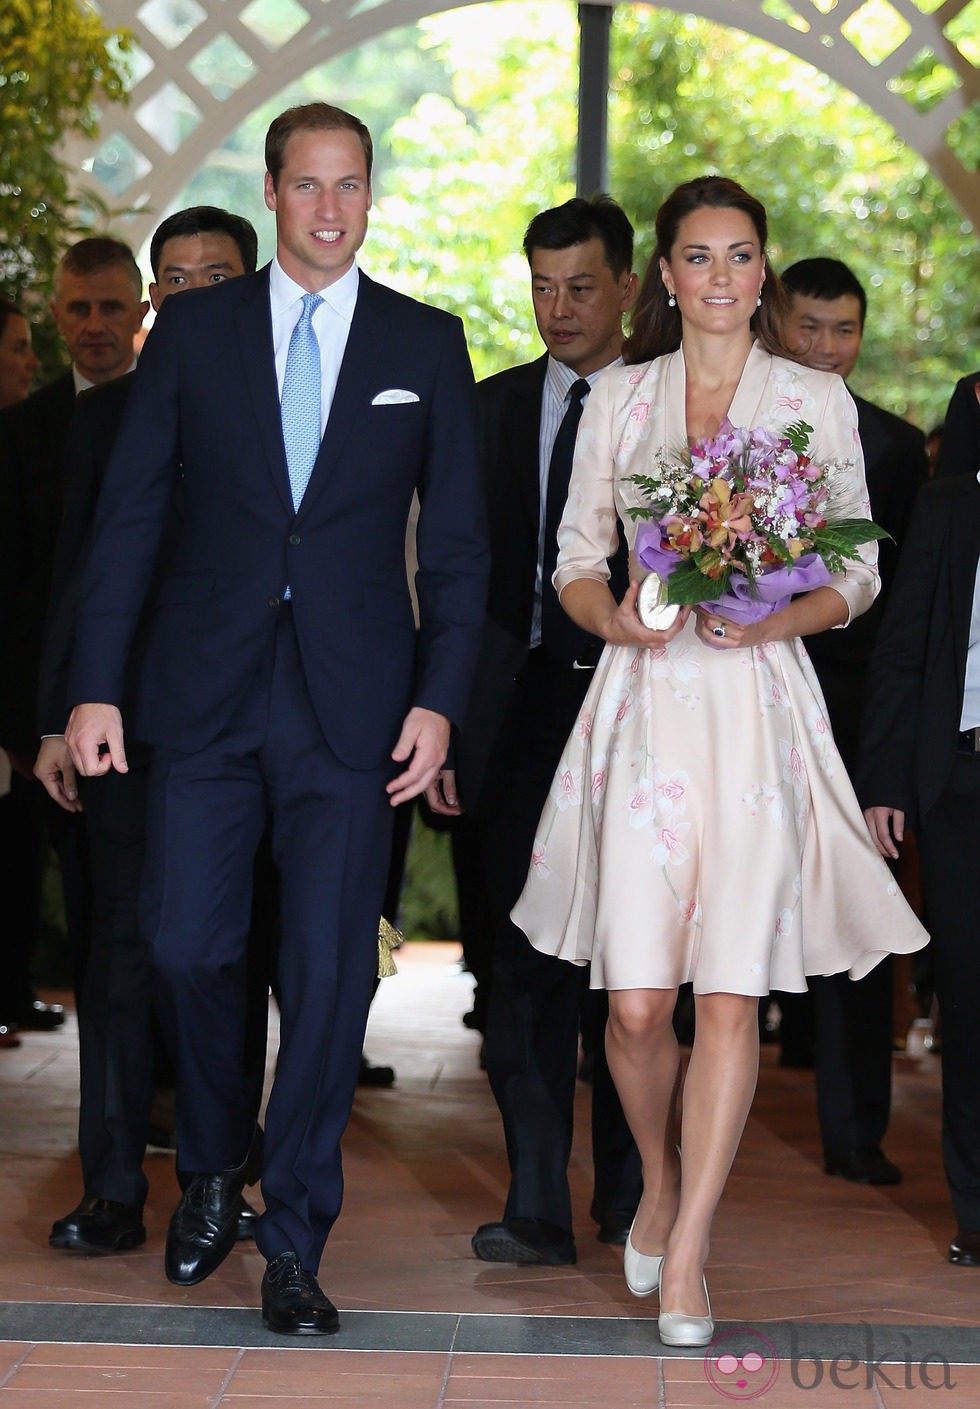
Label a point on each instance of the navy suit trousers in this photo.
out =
(331, 831)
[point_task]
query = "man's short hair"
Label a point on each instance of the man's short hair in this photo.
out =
(312, 117)
(92, 255)
(579, 220)
(826, 279)
(206, 220)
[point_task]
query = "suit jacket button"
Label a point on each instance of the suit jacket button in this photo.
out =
(275, 601)
(294, 538)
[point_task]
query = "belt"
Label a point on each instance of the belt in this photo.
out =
(968, 742)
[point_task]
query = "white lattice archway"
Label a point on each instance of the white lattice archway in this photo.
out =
(203, 65)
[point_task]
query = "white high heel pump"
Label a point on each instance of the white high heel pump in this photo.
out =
(680, 1329)
(642, 1271)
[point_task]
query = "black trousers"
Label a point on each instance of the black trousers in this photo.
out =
(949, 843)
(853, 1058)
(538, 1002)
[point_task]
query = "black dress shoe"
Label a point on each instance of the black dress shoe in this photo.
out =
(964, 1250)
(41, 1017)
(292, 1302)
(247, 1219)
(528, 1241)
(864, 1166)
(613, 1226)
(371, 1075)
(204, 1227)
(99, 1226)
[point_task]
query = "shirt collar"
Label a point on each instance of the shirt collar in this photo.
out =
(341, 295)
(560, 379)
(83, 383)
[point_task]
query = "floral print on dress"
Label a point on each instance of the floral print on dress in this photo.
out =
(700, 827)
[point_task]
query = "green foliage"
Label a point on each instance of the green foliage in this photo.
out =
(474, 116)
(429, 908)
(689, 97)
(56, 61)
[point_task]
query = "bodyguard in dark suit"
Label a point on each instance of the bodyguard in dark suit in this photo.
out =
(118, 1056)
(535, 667)
(280, 671)
(959, 448)
(920, 767)
(97, 306)
(853, 1039)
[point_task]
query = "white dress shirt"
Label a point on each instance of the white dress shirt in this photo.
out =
(558, 382)
(331, 323)
(970, 716)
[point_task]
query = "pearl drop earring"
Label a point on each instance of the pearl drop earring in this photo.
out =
(671, 301)
(758, 302)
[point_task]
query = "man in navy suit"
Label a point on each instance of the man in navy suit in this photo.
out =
(853, 1040)
(534, 669)
(280, 671)
(919, 767)
(98, 308)
(119, 1050)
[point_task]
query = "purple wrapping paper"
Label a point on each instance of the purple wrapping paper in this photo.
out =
(742, 602)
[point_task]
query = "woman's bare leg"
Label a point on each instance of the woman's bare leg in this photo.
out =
(645, 1064)
(718, 1090)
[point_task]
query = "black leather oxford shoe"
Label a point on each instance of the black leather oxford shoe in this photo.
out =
(40, 1016)
(867, 1165)
(530, 1242)
(613, 1225)
(964, 1250)
(204, 1227)
(99, 1226)
(292, 1302)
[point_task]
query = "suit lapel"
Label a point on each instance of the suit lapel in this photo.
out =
(254, 324)
(524, 431)
(964, 555)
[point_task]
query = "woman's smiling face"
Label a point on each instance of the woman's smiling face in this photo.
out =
(716, 269)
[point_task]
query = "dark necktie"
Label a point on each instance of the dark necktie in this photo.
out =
(559, 635)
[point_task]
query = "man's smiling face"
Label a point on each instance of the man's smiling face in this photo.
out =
(321, 201)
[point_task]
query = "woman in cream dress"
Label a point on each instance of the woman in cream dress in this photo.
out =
(701, 827)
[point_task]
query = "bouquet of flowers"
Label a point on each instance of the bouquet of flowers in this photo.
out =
(738, 521)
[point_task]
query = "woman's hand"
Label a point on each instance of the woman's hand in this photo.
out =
(591, 605)
(723, 635)
(624, 627)
(804, 616)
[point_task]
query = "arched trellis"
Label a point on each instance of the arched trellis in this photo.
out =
(204, 65)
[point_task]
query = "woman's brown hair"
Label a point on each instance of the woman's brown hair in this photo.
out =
(656, 327)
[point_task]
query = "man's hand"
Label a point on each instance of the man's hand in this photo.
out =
(441, 794)
(884, 823)
(425, 741)
(54, 768)
(95, 737)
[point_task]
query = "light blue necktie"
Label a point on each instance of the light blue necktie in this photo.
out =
(300, 404)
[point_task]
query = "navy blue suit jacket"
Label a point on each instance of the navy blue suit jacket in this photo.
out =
(204, 407)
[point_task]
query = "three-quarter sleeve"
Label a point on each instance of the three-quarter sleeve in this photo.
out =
(836, 438)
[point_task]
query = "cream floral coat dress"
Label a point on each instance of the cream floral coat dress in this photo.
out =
(701, 826)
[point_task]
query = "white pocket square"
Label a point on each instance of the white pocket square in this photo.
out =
(396, 396)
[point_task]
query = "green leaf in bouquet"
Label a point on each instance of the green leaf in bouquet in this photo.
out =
(843, 536)
(687, 585)
(798, 435)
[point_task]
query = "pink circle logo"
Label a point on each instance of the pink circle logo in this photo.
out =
(741, 1364)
